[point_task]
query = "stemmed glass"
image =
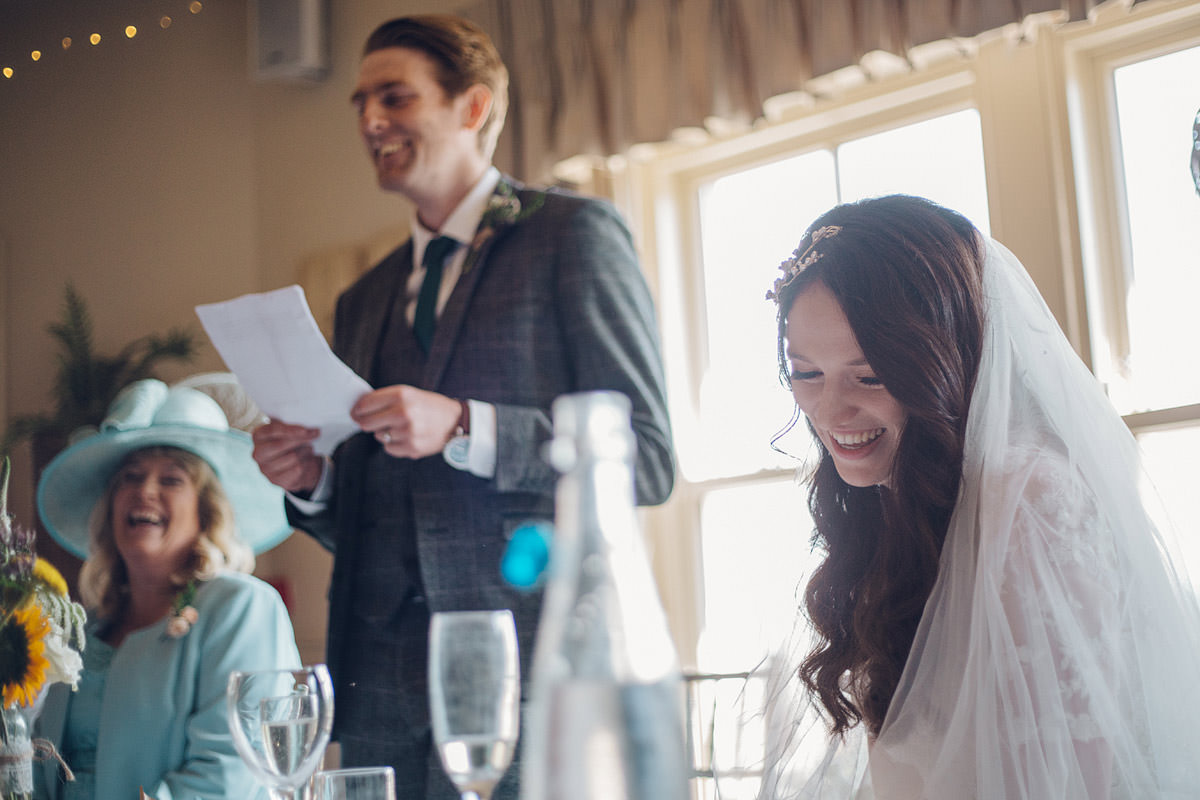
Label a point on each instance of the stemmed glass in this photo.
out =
(474, 696)
(280, 720)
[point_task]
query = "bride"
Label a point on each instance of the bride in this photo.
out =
(995, 616)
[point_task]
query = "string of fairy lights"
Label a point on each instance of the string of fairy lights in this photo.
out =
(11, 69)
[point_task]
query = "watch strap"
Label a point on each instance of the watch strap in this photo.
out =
(464, 419)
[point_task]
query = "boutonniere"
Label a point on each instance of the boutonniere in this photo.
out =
(183, 613)
(503, 208)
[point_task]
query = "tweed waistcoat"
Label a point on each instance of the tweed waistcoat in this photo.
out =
(387, 568)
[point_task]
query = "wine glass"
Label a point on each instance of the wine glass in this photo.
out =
(280, 720)
(358, 783)
(474, 696)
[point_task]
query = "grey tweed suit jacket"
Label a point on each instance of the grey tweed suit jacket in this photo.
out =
(552, 303)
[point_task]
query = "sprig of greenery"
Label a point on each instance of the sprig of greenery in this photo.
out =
(87, 382)
(16, 555)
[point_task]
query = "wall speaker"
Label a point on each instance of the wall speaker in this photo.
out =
(289, 39)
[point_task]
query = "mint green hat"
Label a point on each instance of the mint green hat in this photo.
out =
(148, 413)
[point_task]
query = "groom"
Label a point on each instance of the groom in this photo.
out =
(503, 299)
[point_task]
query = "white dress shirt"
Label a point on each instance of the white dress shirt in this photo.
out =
(461, 226)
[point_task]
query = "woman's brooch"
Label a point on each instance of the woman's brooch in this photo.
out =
(183, 613)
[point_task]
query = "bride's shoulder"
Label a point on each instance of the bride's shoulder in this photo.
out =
(1051, 506)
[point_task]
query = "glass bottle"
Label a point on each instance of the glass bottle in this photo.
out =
(604, 721)
(16, 755)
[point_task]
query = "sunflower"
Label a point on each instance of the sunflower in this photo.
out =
(23, 661)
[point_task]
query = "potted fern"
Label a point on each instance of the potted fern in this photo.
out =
(87, 382)
(84, 386)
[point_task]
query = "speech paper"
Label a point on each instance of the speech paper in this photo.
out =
(274, 346)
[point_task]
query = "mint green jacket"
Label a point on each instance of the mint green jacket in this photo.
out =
(162, 718)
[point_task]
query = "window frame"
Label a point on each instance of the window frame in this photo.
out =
(1048, 132)
(1090, 57)
(663, 183)
(1027, 90)
(685, 175)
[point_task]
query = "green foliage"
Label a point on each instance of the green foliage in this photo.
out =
(87, 382)
(16, 554)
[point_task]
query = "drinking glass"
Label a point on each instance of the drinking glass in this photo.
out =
(359, 783)
(280, 721)
(474, 696)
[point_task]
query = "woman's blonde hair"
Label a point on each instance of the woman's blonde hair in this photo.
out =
(104, 581)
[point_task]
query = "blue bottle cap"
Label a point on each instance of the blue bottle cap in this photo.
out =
(528, 553)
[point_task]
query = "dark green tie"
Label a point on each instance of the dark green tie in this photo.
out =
(433, 261)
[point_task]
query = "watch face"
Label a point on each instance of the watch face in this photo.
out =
(455, 451)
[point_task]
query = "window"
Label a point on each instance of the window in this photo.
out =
(1077, 182)
(1140, 220)
(1156, 101)
(749, 221)
(748, 214)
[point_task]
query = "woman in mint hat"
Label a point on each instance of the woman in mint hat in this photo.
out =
(168, 508)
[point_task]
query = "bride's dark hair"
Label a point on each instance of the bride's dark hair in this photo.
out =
(907, 273)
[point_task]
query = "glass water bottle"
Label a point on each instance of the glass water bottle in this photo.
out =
(604, 719)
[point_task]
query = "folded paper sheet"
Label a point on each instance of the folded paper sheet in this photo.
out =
(273, 345)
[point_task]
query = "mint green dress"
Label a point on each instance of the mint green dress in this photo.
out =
(83, 721)
(151, 713)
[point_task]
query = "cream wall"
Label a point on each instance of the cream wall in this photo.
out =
(126, 168)
(156, 174)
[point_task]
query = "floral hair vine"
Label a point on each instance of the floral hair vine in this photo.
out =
(802, 260)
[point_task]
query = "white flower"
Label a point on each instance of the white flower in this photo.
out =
(178, 627)
(503, 208)
(65, 662)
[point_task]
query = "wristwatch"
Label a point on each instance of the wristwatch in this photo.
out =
(459, 446)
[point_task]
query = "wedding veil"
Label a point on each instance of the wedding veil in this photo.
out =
(1059, 652)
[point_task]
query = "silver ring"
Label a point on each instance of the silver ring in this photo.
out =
(385, 437)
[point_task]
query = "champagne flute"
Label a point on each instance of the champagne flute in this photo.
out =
(280, 721)
(474, 696)
(358, 783)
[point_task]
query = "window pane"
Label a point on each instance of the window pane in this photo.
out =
(1170, 458)
(940, 159)
(757, 559)
(1157, 102)
(757, 535)
(750, 222)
